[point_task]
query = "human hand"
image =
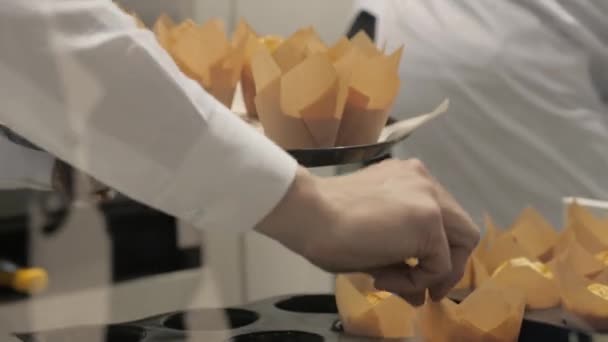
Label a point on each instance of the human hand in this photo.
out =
(372, 221)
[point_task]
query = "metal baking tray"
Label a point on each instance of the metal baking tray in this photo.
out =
(340, 155)
(394, 132)
(343, 155)
(301, 318)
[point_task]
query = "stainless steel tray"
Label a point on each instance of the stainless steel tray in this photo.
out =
(394, 133)
(343, 155)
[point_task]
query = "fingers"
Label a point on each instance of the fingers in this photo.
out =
(417, 299)
(407, 282)
(411, 283)
(434, 263)
(460, 232)
(406, 213)
(462, 235)
(459, 257)
(433, 250)
(460, 229)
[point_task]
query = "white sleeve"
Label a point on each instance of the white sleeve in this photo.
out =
(81, 81)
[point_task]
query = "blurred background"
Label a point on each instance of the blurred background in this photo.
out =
(145, 244)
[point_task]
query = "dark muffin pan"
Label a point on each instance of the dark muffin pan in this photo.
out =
(304, 318)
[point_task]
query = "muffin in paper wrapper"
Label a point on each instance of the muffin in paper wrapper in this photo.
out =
(511, 258)
(474, 275)
(533, 279)
(205, 54)
(584, 298)
(365, 311)
(313, 96)
(492, 313)
(578, 260)
(534, 233)
(253, 42)
(586, 240)
(589, 231)
(531, 232)
(507, 274)
(476, 271)
(503, 249)
(581, 268)
(163, 29)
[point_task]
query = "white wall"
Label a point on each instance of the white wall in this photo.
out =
(207, 9)
(149, 10)
(330, 18)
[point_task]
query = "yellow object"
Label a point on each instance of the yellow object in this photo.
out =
(28, 280)
(271, 42)
(377, 296)
(537, 266)
(412, 262)
(603, 257)
(599, 290)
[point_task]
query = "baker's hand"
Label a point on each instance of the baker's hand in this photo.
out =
(372, 221)
(63, 182)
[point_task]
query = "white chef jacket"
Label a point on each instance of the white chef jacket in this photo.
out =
(80, 80)
(525, 78)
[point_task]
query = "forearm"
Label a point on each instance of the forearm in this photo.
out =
(111, 102)
(302, 219)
